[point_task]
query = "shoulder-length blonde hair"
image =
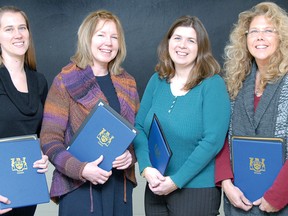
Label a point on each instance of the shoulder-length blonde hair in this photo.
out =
(83, 56)
(205, 64)
(238, 60)
(29, 59)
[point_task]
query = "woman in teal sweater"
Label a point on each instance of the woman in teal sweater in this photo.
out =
(192, 104)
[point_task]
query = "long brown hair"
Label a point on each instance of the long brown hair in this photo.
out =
(205, 64)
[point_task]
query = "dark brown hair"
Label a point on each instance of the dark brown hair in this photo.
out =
(205, 64)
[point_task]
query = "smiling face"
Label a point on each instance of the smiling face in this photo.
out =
(183, 47)
(262, 45)
(104, 43)
(14, 35)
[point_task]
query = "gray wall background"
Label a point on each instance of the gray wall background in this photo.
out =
(54, 25)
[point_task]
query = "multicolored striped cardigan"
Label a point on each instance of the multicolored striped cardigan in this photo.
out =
(72, 96)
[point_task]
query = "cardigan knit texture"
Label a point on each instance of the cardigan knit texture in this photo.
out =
(260, 120)
(194, 124)
(72, 96)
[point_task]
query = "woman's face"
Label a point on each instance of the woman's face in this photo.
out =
(262, 39)
(104, 43)
(14, 35)
(183, 47)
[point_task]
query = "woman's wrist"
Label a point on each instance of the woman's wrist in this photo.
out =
(144, 171)
(226, 183)
(174, 185)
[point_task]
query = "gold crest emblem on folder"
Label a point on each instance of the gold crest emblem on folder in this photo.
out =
(104, 138)
(257, 165)
(157, 151)
(19, 165)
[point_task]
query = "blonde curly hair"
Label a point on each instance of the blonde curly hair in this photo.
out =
(238, 60)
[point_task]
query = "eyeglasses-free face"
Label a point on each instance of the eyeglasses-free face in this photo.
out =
(183, 47)
(14, 35)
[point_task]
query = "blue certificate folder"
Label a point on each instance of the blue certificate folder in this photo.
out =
(19, 181)
(256, 163)
(159, 150)
(103, 132)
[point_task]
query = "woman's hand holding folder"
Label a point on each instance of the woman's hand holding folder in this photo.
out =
(95, 174)
(264, 205)
(123, 161)
(6, 201)
(42, 164)
(235, 195)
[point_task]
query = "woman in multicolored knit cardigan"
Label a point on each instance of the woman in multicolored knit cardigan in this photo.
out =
(94, 73)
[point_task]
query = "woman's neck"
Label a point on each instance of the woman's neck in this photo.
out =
(183, 71)
(258, 84)
(178, 82)
(99, 70)
(181, 76)
(262, 67)
(14, 66)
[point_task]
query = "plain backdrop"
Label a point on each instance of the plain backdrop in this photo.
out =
(54, 25)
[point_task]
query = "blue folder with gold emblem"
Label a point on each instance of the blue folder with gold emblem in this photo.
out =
(256, 163)
(19, 181)
(159, 150)
(103, 132)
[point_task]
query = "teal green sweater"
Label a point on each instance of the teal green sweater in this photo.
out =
(195, 126)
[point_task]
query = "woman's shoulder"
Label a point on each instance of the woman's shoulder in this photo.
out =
(214, 83)
(216, 79)
(125, 74)
(37, 81)
(70, 67)
(156, 78)
(39, 76)
(153, 79)
(68, 72)
(124, 79)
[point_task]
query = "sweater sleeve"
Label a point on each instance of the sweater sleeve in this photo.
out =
(141, 141)
(277, 194)
(55, 119)
(132, 108)
(223, 169)
(216, 115)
